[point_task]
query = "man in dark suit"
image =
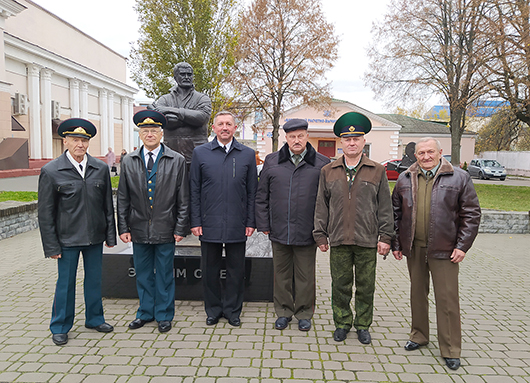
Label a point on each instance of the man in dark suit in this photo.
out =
(223, 181)
(153, 213)
(76, 216)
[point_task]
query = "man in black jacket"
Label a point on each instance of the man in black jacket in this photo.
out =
(76, 215)
(285, 207)
(153, 214)
(223, 179)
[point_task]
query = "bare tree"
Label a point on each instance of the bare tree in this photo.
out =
(508, 31)
(426, 47)
(503, 132)
(285, 48)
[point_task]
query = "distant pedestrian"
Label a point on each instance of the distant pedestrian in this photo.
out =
(110, 159)
(437, 216)
(76, 216)
(285, 207)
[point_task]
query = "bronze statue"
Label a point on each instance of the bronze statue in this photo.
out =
(187, 112)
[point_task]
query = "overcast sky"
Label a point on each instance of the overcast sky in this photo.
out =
(114, 23)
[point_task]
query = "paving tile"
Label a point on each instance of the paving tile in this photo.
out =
(495, 312)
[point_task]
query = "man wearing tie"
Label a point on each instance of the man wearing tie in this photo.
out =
(76, 216)
(153, 213)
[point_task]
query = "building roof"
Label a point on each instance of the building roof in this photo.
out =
(410, 125)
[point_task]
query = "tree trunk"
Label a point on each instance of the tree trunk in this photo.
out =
(457, 115)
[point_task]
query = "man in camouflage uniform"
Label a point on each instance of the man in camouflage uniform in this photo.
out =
(354, 212)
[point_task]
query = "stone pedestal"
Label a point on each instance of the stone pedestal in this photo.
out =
(119, 275)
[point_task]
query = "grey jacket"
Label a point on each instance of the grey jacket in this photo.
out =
(285, 201)
(360, 215)
(74, 211)
(170, 213)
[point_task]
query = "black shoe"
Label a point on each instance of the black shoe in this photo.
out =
(410, 346)
(60, 339)
(236, 322)
(210, 321)
(281, 323)
(364, 336)
(340, 334)
(104, 327)
(164, 326)
(452, 363)
(137, 323)
(304, 324)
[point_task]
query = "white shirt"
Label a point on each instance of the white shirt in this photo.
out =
(227, 146)
(155, 154)
(76, 164)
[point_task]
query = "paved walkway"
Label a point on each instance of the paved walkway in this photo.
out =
(495, 297)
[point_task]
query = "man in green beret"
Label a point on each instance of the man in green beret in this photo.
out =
(76, 215)
(353, 215)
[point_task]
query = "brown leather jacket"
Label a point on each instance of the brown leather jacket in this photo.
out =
(360, 215)
(454, 217)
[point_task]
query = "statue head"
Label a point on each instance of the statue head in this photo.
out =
(183, 74)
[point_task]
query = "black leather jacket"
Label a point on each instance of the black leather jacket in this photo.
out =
(74, 211)
(170, 213)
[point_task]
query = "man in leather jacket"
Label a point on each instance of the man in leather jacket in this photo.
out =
(437, 216)
(76, 215)
(153, 213)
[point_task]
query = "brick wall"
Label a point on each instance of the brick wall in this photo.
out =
(17, 218)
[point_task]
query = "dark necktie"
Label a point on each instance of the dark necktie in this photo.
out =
(81, 167)
(150, 162)
(224, 147)
(429, 175)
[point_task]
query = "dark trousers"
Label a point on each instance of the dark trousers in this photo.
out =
(297, 261)
(64, 302)
(445, 282)
(343, 259)
(215, 304)
(155, 280)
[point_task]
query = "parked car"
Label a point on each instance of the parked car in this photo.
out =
(391, 167)
(486, 169)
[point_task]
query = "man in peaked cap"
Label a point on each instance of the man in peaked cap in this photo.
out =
(285, 206)
(153, 213)
(76, 215)
(353, 216)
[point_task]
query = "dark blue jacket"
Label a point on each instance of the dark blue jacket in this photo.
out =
(223, 191)
(285, 202)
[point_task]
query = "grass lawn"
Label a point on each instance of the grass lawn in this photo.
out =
(499, 197)
(18, 196)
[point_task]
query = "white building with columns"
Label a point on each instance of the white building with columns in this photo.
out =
(51, 71)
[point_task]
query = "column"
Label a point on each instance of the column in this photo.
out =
(126, 125)
(111, 121)
(133, 136)
(83, 100)
(103, 121)
(74, 98)
(34, 111)
(46, 114)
